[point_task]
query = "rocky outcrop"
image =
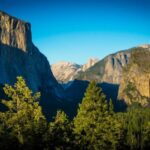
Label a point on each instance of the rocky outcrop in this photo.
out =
(66, 71)
(108, 69)
(91, 62)
(19, 57)
(15, 33)
(114, 65)
(135, 83)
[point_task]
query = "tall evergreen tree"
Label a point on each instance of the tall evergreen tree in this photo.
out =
(60, 133)
(94, 123)
(23, 119)
(137, 123)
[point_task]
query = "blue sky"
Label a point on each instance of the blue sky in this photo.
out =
(75, 30)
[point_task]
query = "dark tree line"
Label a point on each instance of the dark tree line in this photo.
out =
(95, 127)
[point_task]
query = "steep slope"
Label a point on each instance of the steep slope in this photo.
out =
(19, 57)
(108, 69)
(66, 71)
(135, 83)
(110, 73)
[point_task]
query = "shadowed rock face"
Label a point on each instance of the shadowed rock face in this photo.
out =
(19, 57)
(124, 75)
(75, 92)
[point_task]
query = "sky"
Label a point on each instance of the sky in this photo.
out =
(76, 30)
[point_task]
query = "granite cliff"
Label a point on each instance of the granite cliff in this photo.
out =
(125, 76)
(107, 70)
(135, 82)
(15, 33)
(128, 70)
(19, 57)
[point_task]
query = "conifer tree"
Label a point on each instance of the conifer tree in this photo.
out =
(92, 108)
(23, 119)
(60, 135)
(93, 123)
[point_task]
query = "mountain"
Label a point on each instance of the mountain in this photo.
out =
(124, 75)
(66, 71)
(107, 72)
(19, 57)
(135, 83)
(108, 69)
(91, 62)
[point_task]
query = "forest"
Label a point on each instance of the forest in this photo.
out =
(96, 126)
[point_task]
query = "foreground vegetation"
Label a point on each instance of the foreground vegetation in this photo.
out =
(95, 127)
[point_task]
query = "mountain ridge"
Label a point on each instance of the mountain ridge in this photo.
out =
(66, 71)
(110, 73)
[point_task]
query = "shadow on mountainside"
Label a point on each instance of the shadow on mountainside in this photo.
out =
(14, 62)
(75, 93)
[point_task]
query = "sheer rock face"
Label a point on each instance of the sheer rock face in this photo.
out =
(14, 32)
(135, 82)
(107, 70)
(19, 57)
(141, 83)
(114, 65)
(110, 69)
(91, 62)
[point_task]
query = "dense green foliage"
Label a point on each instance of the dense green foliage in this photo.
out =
(94, 123)
(23, 122)
(136, 127)
(95, 127)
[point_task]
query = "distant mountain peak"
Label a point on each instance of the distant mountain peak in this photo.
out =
(144, 46)
(63, 70)
(66, 71)
(90, 63)
(65, 63)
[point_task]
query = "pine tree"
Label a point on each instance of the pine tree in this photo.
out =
(60, 134)
(136, 119)
(23, 119)
(92, 108)
(94, 124)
